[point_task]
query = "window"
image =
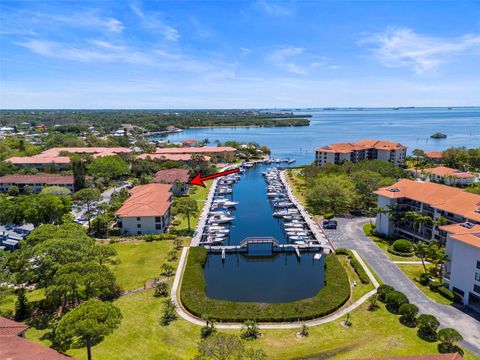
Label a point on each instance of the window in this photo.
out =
(158, 219)
(478, 264)
(139, 226)
(138, 218)
(476, 288)
(158, 226)
(139, 232)
(477, 276)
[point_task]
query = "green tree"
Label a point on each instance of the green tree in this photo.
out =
(366, 182)
(421, 251)
(56, 191)
(187, 207)
(427, 327)
(23, 308)
(419, 154)
(448, 338)
(109, 167)
(331, 194)
(250, 330)
(161, 289)
(168, 312)
(88, 197)
(409, 314)
(89, 323)
(13, 190)
(79, 172)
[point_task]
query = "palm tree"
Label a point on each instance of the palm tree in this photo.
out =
(419, 221)
(418, 153)
(394, 214)
(421, 250)
(438, 222)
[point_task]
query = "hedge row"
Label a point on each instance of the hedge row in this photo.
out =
(362, 275)
(194, 298)
(398, 253)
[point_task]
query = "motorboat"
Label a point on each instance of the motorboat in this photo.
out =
(221, 219)
(225, 203)
(282, 204)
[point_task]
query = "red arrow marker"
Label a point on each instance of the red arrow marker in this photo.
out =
(198, 179)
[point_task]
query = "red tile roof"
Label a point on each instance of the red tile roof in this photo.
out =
(18, 348)
(434, 154)
(442, 197)
(38, 159)
(147, 200)
(47, 179)
(361, 145)
(195, 150)
(468, 235)
(11, 328)
(169, 176)
(446, 171)
(169, 157)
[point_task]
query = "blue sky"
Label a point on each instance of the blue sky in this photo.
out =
(238, 54)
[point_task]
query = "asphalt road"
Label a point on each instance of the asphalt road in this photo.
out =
(350, 235)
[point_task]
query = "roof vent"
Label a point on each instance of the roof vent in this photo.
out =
(394, 189)
(467, 225)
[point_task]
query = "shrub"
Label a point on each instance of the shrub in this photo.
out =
(194, 298)
(434, 285)
(250, 331)
(424, 279)
(168, 313)
(172, 255)
(427, 327)
(409, 314)
(362, 275)
(207, 331)
(176, 222)
(394, 300)
(446, 293)
(402, 246)
(383, 290)
(398, 253)
(341, 251)
(161, 289)
(448, 337)
(167, 270)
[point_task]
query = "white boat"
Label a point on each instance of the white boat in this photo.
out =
(221, 219)
(293, 225)
(225, 203)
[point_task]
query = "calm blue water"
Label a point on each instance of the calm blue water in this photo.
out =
(411, 127)
(253, 214)
(280, 278)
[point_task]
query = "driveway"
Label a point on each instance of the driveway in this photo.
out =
(350, 235)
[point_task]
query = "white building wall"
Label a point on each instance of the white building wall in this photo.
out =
(148, 225)
(463, 266)
(383, 223)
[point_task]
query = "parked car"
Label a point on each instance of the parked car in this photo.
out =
(330, 224)
(358, 212)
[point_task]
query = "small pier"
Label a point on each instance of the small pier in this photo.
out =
(261, 246)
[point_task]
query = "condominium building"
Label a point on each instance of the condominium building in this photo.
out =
(216, 153)
(445, 175)
(462, 270)
(434, 200)
(362, 150)
(56, 156)
(35, 183)
(146, 211)
(188, 159)
(178, 178)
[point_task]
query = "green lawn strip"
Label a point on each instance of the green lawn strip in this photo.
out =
(200, 194)
(8, 303)
(139, 261)
(413, 272)
(360, 289)
(384, 245)
(297, 183)
(327, 300)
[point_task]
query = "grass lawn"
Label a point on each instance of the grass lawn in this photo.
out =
(140, 335)
(360, 289)
(297, 183)
(384, 244)
(413, 271)
(139, 261)
(8, 303)
(200, 196)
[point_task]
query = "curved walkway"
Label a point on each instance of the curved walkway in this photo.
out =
(175, 294)
(350, 235)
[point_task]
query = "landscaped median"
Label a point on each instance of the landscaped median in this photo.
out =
(194, 298)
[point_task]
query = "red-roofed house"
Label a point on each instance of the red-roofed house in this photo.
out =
(35, 182)
(445, 175)
(178, 178)
(435, 156)
(146, 211)
(221, 153)
(14, 347)
(362, 150)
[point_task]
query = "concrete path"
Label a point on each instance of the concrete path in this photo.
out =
(350, 235)
(175, 295)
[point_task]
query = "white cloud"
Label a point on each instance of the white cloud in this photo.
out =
(404, 47)
(245, 51)
(154, 21)
(274, 8)
(294, 60)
